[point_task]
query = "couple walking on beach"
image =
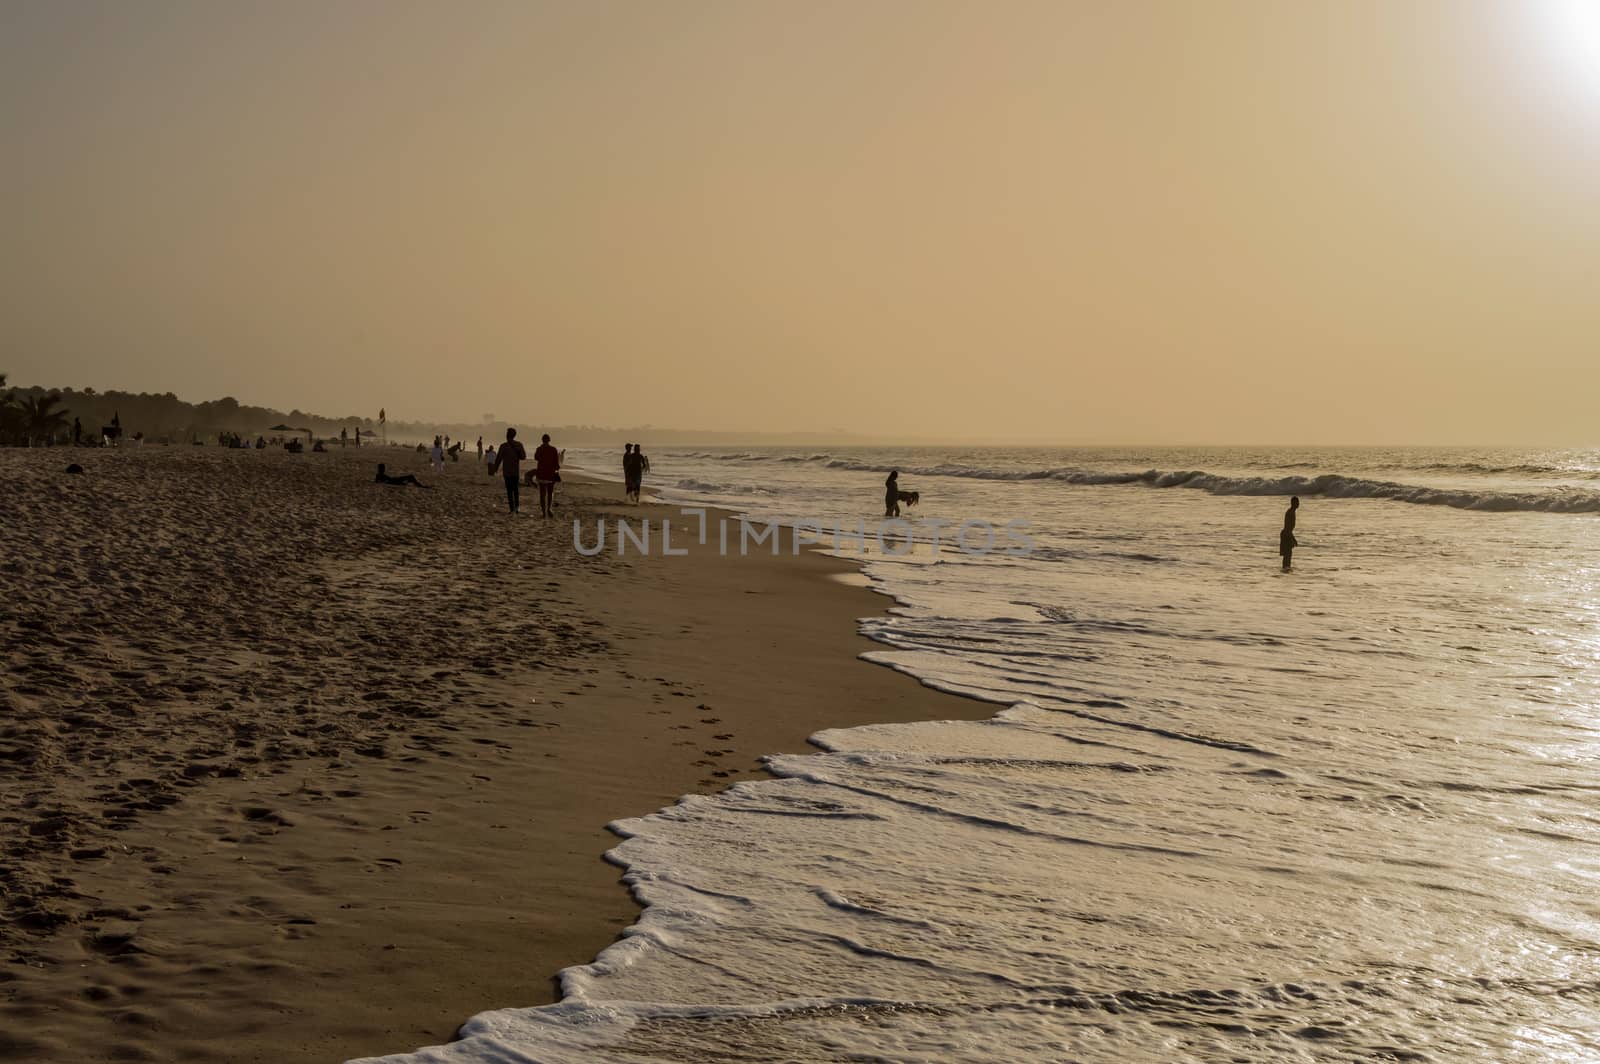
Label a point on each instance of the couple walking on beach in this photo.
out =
(546, 471)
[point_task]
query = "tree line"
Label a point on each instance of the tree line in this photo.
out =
(32, 416)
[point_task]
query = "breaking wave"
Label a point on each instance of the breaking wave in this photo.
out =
(1327, 485)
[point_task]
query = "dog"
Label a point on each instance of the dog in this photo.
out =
(910, 498)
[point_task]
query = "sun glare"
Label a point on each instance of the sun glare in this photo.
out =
(1572, 28)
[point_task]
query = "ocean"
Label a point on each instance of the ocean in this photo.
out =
(1221, 812)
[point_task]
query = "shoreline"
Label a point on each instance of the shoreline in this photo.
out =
(369, 903)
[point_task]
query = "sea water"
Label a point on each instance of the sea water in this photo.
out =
(1350, 812)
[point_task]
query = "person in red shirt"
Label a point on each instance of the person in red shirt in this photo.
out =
(546, 466)
(509, 461)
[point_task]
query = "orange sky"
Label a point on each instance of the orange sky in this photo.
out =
(1213, 221)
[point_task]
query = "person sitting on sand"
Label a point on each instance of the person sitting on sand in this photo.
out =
(1286, 541)
(409, 478)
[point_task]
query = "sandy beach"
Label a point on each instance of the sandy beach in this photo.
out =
(300, 767)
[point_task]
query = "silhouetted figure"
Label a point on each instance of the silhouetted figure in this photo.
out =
(1286, 541)
(344, 437)
(77, 431)
(891, 494)
(632, 470)
(509, 462)
(480, 448)
(409, 478)
(546, 470)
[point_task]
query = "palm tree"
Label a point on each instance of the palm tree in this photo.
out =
(41, 419)
(8, 412)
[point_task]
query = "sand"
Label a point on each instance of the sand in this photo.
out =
(298, 767)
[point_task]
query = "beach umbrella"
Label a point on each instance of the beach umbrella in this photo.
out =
(282, 428)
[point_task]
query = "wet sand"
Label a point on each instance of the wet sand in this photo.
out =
(298, 767)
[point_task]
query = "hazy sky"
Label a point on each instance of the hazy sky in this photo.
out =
(1119, 221)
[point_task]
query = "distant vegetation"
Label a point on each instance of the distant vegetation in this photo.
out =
(34, 414)
(28, 418)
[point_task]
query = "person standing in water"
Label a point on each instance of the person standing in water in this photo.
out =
(546, 470)
(508, 460)
(891, 494)
(1286, 541)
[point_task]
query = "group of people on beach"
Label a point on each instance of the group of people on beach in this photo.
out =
(507, 460)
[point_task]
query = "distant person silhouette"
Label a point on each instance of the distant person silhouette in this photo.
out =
(408, 478)
(1286, 541)
(508, 460)
(632, 470)
(891, 494)
(77, 431)
(546, 466)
